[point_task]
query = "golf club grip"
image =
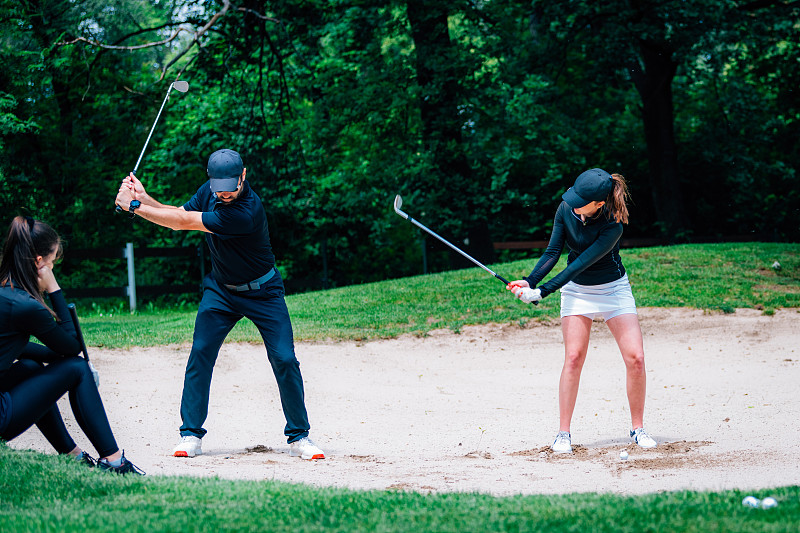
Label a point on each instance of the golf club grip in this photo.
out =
(118, 209)
(504, 280)
(73, 313)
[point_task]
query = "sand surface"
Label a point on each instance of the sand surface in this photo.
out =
(476, 411)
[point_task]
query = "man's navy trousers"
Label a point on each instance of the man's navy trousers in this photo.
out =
(220, 309)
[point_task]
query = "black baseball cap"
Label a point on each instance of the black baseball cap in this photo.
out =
(224, 169)
(591, 186)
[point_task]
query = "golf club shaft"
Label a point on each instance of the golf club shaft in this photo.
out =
(466, 255)
(146, 142)
(136, 168)
(73, 313)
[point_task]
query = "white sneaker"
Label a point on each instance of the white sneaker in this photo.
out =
(641, 438)
(188, 447)
(305, 449)
(563, 443)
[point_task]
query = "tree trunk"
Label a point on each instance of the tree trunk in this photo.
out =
(654, 85)
(441, 83)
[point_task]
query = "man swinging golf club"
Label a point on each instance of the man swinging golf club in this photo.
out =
(243, 283)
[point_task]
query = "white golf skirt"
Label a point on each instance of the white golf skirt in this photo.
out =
(594, 301)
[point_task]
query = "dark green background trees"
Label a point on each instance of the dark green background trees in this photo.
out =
(479, 113)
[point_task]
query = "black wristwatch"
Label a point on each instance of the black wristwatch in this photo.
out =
(134, 204)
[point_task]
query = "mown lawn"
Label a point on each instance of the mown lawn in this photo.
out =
(42, 493)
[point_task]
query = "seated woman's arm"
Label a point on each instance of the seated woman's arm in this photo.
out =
(39, 353)
(59, 336)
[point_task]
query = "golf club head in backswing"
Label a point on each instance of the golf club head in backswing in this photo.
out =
(178, 85)
(398, 202)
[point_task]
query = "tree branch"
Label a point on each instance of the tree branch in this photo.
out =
(182, 27)
(218, 15)
(116, 47)
(257, 14)
(197, 34)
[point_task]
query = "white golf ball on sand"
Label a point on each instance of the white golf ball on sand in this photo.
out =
(750, 501)
(769, 503)
(623, 455)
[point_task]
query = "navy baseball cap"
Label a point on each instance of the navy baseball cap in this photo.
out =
(591, 186)
(224, 169)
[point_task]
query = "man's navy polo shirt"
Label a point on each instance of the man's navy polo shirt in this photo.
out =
(239, 242)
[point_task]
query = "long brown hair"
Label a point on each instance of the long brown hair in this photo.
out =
(616, 203)
(27, 239)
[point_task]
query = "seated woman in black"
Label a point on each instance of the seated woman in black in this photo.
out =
(34, 376)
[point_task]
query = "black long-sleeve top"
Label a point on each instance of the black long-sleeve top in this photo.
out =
(21, 317)
(593, 251)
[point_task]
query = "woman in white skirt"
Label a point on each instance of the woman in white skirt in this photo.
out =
(594, 284)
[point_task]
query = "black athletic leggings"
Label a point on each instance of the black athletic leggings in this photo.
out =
(50, 424)
(33, 401)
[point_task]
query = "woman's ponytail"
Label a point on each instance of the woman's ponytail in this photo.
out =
(617, 200)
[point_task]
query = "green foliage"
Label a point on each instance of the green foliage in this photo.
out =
(713, 277)
(52, 493)
(10, 123)
(330, 105)
(739, 123)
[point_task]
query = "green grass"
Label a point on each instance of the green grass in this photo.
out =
(40, 492)
(714, 277)
(50, 493)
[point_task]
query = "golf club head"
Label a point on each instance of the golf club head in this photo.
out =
(181, 86)
(398, 201)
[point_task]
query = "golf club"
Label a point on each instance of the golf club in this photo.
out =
(398, 202)
(73, 313)
(181, 86)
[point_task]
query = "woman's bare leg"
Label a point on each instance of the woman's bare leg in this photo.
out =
(628, 334)
(576, 330)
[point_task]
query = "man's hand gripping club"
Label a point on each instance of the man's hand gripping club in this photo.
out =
(131, 189)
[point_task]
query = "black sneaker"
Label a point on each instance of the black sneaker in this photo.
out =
(86, 459)
(126, 467)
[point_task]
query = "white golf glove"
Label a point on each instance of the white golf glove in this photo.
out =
(529, 295)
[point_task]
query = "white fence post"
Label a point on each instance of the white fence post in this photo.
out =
(131, 277)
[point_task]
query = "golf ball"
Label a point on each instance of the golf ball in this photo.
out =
(750, 501)
(769, 503)
(623, 455)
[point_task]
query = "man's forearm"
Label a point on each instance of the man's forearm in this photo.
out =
(146, 199)
(168, 216)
